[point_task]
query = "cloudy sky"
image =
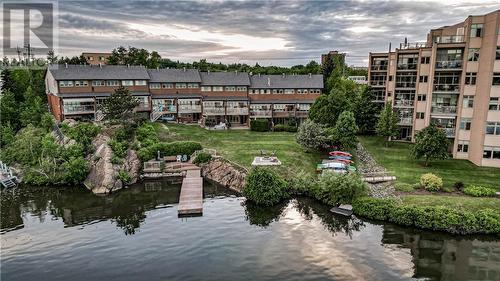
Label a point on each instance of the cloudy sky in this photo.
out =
(270, 32)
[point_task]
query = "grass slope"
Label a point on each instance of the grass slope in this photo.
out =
(397, 158)
(241, 146)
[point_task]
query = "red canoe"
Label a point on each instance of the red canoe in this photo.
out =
(340, 153)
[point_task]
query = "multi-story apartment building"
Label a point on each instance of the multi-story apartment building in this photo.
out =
(452, 80)
(183, 95)
(96, 58)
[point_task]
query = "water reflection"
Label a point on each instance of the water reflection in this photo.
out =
(299, 233)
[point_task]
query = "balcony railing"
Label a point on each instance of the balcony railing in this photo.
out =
(237, 111)
(75, 109)
(449, 64)
(214, 110)
(378, 67)
(165, 108)
(261, 113)
(407, 66)
(405, 121)
(446, 109)
(414, 45)
(377, 82)
(446, 88)
(449, 39)
(404, 103)
(450, 132)
(189, 108)
(405, 84)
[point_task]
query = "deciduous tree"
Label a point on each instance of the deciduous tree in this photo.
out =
(387, 123)
(431, 143)
(344, 132)
(119, 106)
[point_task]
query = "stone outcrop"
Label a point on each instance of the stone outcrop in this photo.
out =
(224, 173)
(103, 176)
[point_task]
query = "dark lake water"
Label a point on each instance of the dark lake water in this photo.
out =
(71, 234)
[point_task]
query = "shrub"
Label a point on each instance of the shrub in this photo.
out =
(459, 185)
(431, 182)
(302, 183)
(479, 191)
(312, 135)
(404, 187)
(264, 187)
(437, 218)
(76, 170)
(202, 157)
(146, 134)
(124, 177)
(259, 125)
(168, 149)
(333, 188)
(285, 128)
(119, 147)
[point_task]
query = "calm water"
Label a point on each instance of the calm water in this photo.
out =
(54, 234)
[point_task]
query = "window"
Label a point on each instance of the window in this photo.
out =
(167, 85)
(470, 78)
(289, 91)
(493, 128)
(476, 30)
(423, 78)
(90, 58)
(128, 82)
(101, 58)
(140, 82)
(497, 57)
(390, 77)
(180, 85)
(265, 91)
(496, 78)
(421, 97)
(77, 106)
(465, 124)
(494, 104)
(217, 89)
(425, 60)
(241, 89)
(468, 102)
(473, 54)
(420, 115)
(230, 88)
(65, 83)
(463, 146)
(490, 152)
(98, 83)
(206, 89)
(193, 85)
(81, 83)
(154, 85)
(112, 83)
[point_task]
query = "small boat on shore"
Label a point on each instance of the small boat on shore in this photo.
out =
(342, 209)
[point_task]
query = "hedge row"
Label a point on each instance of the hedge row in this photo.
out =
(168, 149)
(435, 218)
(259, 125)
(285, 128)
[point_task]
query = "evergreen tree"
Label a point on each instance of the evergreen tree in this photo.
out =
(387, 123)
(119, 106)
(9, 111)
(344, 133)
(32, 109)
(431, 143)
(366, 111)
(7, 83)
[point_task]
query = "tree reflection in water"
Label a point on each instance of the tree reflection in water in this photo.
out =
(263, 216)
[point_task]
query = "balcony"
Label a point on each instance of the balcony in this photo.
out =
(377, 83)
(189, 108)
(444, 109)
(78, 109)
(449, 39)
(414, 45)
(237, 111)
(378, 67)
(404, 103)
(405, 121)
(407, 66)
(165, 108)
(302, 113)
(284, 113)
(261, 113)
(450, 132)
(405, 85)
(214, 110)
(447, 88)
(449, 64)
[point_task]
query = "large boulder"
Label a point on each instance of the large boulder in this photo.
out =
(103, 176)
(225, 173)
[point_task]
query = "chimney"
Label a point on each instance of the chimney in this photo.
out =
(268, 81)
(66, 65)
(236, 72)
(184, 68)
(283, 74)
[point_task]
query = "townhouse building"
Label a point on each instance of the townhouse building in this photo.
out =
(453, 80)
(183, 95)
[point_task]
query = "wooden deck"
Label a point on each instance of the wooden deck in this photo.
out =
(191, 198)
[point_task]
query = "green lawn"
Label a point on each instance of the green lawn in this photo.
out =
(396, 158)
(457, 202)
(241, 146)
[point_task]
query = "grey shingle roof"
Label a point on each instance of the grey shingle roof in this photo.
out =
(287, 81)
(225, 78)
(75, 72)
(174, 75)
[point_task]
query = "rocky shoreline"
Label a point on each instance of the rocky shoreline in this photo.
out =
(225, 173)
(367, 164)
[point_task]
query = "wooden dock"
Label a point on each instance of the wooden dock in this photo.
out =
(191, 198)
